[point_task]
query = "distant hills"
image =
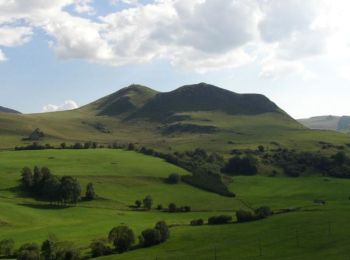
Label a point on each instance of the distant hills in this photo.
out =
(8, 110)
(335, 123)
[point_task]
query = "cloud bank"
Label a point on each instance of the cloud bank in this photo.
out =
(67, 105)
(199, 35)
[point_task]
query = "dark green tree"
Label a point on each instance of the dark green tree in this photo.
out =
(172, 207)
(49, 248)
(163, 230)
(70, 190)
(150, 237)
(147, 202)
(27, 178)
(122, 238)
(138, 203)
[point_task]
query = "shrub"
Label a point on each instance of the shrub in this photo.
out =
(122, 237)
(174, 178)
(29, 251)
(7, 247)
(67, 251)
(197, 222)
(150, 237)
(160, 207)
(222, 219)
(99, 247)
(187, 209)
(263, 212)
(244, 216)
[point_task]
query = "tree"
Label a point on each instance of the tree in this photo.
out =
(70, 190)
(172, 207)
(37, 179)
(261, 148)
(63, 146)
(163, 230)
(99, 247)
(51, 188)
(138, 203)
(174, 178)
(90, 192)
(7, 247)
(197, 222)
(147, 202)
(29, 251)
(150, 237)
(122, 238)
(340, 158)
(27, 178)
(48, 248)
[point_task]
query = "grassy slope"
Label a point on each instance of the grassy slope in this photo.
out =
(121, 177)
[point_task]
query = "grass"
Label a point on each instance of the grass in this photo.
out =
(120, 177)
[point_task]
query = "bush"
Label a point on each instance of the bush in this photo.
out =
(29, 251)
(122, 237)
(7, 247)
(99, 247)
(174, 178)
(197, 222)
(263, 212)
(160, 207)
(244, 216)
(150, 237)
(67, 251)
(222, 219)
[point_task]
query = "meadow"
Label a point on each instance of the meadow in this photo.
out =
(304, 231)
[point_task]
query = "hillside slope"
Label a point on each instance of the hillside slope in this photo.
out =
(8, 110)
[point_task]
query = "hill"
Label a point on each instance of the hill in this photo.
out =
(335, 123)
(192, 116)
(8, 110)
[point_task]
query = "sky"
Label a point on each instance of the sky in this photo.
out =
(62, 54)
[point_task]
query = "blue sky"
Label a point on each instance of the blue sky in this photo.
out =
(66, 52)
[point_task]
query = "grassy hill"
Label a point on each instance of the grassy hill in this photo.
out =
(311, 232)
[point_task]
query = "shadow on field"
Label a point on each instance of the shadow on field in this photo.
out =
(43, 206)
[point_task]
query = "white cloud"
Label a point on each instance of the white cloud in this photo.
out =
(2, 56)
(84, 6)
(67, 105)
(200, 35)
(344, 72)
(12, 36)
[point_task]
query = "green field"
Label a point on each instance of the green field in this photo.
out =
(120, 177)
